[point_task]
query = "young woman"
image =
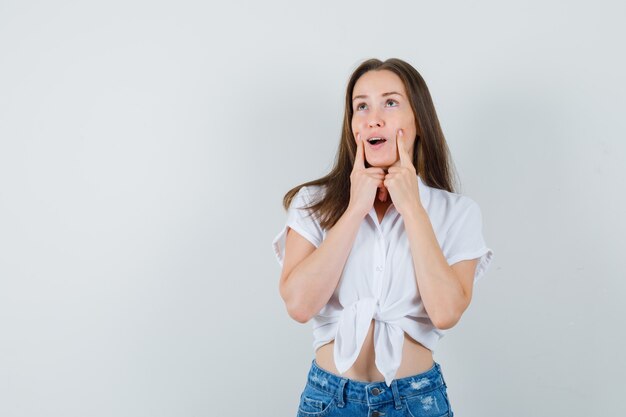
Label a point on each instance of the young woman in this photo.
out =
(381, 254)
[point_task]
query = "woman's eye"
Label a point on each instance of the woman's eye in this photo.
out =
(362, 106)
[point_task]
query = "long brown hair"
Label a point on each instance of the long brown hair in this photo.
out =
(430, 153)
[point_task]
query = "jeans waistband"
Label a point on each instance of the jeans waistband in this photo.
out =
(378, 392)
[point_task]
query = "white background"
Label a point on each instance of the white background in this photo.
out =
(145, 148)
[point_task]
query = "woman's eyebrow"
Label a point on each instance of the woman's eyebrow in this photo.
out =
(384, 95)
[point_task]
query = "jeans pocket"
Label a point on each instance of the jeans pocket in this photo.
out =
(430, 404)
(315, 402)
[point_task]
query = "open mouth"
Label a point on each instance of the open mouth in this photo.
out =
(376, 142)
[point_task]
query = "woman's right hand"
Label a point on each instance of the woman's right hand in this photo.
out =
(364, 182)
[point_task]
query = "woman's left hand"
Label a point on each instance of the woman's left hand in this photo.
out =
(401, 181)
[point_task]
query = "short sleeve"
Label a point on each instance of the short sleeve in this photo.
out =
(301, 221)
(465, 240)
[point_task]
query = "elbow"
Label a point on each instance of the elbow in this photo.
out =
(446, 322)
(299, 317)
(296, 309)
(448, 317)
(297, 313)
(444, 325)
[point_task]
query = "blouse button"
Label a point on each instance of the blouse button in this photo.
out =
(379, 268)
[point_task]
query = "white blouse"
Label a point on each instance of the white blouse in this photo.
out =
(378, 280)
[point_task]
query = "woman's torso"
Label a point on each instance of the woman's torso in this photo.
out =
(416, 358)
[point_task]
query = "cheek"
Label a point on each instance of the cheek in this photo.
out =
(408, 120)
(355, 129)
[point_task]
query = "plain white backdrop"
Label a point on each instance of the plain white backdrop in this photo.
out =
(145, 148)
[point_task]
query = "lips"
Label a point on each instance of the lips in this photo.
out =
(375, 140)
(376, 143)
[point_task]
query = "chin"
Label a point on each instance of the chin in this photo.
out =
(381, 164)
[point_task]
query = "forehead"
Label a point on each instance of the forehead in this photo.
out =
(375, 83)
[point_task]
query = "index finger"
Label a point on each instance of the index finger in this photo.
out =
(405, 159)
(359, 162)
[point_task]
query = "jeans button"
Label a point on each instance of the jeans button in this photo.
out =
(375, 391)
(376, 413)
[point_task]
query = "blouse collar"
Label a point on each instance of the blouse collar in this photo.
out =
(424, 191)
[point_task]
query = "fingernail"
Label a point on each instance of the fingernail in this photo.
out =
(400, 132)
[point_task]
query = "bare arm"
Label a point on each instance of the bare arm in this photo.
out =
(310, 275)
(446, 290)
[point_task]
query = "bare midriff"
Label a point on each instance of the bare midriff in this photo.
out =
(415, 359)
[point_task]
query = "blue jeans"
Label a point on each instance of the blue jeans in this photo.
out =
(420, 395)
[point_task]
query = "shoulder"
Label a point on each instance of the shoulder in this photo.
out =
(449, 202)
(311, 193)
(306, 197)
(448, 211)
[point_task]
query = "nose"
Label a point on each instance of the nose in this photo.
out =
(375, 120)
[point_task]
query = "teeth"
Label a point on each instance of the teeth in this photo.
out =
(372, 139)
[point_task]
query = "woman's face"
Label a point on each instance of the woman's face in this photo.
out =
(380, 108)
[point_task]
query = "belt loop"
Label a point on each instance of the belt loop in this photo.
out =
(340, 396)
(442, 378)
(396, 394)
